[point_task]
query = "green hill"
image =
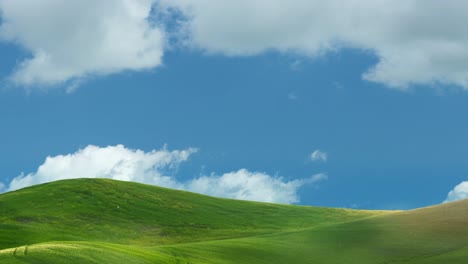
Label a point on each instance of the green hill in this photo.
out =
(104, 221)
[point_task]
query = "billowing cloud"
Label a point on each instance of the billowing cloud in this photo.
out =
(157, 167)
(254, 186)
(460, 192)
(415, 41)
(114, 162)
(74, 39)
(318, 155)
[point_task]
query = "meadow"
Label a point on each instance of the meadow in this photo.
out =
(105, 221)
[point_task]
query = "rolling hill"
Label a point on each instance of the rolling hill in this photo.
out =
(105, 221)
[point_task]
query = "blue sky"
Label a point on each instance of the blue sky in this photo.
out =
(253, 112)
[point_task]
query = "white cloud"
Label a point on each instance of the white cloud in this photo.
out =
(2, 187)
(114, 162)
(121, 163)
(415, 41)
(460, 192)
(318, 155)
(318, 178)
(245, 185)
(74, 39)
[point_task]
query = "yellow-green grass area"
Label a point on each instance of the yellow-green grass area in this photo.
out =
(80, 252)
(102, 221)
(136, 214)
(431, 235)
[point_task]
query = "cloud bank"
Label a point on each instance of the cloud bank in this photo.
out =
(157, 168)
(80, 38)
(460, 192)
(113, 162)
(415, 41)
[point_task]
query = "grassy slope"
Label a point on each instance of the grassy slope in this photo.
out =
(137, 214)
(431, 235)
(155, 221)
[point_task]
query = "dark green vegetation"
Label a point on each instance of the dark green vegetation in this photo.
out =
(103, 221)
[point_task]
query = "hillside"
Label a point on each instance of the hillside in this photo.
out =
(431, 235)
(104, 221)
(137, 214)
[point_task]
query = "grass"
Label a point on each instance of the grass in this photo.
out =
(103, 221)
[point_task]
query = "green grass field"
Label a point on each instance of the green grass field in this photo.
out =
(104, 221)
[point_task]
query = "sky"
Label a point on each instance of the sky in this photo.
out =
(356, 104)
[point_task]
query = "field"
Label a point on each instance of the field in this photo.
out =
(104, 221)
